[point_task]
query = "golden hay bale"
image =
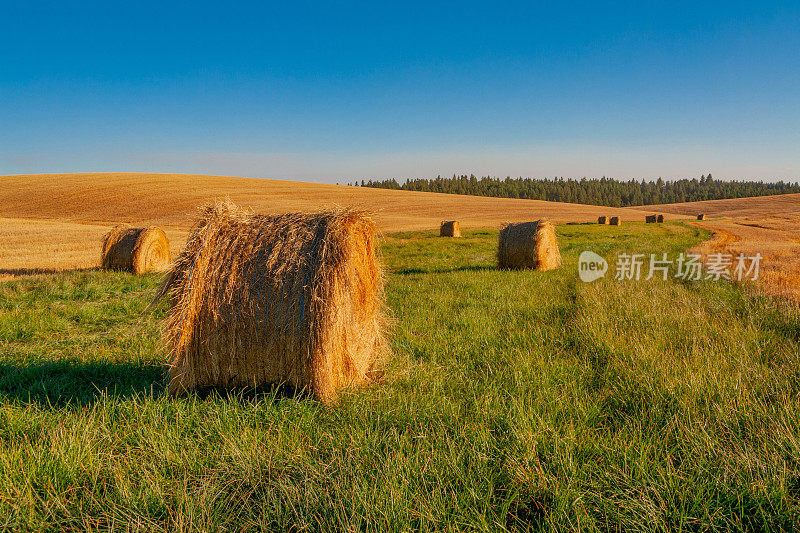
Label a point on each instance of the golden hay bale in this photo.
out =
(616, 221)
(602, 220)
(701, 216)
(257, 299)
(650, 219)
(135, 249)
(660, 219)
(528, 245)
(450, 228)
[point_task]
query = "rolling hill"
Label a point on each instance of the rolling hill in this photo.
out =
(55, 221)
(758, 207)
(51, 222)
(171, 200)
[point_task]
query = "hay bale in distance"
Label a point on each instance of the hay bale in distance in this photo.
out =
(651, 219)
(450, 228)
(528, 245)
(257, 300)
(602, 220)
(616, 221)
(137, 250)
(660, 219)
(701, 216)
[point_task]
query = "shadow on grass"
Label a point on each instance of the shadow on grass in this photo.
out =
(75, 383)
(21, 272)
(276, 391)
(780, 315)
(59, 384)
(471, 268)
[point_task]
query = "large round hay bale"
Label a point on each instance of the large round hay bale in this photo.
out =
(294, 299)
(660, 219)
(616, 221)
(651, 219)
(136, 250)
(450, 228)
(701, 216)
(602, 220)
(528, 245)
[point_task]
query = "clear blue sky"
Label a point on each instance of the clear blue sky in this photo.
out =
(324, 92)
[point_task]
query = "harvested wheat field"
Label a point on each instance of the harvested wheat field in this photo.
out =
(758, 207)
(777, 239)
(294, 298)
(768, 225)
(53, 222)
(78, 209)
(32, 247)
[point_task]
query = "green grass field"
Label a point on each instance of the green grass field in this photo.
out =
(513, 400)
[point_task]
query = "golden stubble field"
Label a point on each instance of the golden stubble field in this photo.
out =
(768, 225)
(53, 222)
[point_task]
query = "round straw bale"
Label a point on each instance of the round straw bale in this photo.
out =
(137, 250)
(650, 219)
(602, 220)
(450, 228)
(528, 245)
(660, 219)
(701, 216)
(616, 221)
(294, 299)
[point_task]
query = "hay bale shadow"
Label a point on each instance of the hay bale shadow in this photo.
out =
(468, 268)
(271, 392)
(21, 272)
(62, 383)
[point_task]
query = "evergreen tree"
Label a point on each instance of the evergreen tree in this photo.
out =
(603, 191)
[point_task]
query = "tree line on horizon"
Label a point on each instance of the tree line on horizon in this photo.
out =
(604, 191)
